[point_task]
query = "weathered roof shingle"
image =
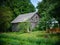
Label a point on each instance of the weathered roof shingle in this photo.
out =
(23, 17)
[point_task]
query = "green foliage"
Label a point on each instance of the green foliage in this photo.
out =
(23, 27)
(33, 38)
(10, 9)
(49, 9)
(18, 6)
(5, 18)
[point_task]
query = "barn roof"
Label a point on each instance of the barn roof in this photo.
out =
(23, 17)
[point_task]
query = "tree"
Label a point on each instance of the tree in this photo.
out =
(49, 9)
(10, 9)
(20, 6)
(5, 18)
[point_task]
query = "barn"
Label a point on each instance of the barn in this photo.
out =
(26, 21)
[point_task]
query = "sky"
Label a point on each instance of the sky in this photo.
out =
(34, 2)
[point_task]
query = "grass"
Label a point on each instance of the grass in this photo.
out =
(31, 38)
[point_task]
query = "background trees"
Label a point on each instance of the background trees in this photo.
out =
(9, 9)
(49, 9)
(5, 18)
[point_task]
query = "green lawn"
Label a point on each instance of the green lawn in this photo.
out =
(31, 38)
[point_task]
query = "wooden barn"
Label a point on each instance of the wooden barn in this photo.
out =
(21, 21)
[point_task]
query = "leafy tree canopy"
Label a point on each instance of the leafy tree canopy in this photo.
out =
(48, 9)
(9, 9)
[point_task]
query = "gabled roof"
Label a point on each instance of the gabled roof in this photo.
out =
(23, 17)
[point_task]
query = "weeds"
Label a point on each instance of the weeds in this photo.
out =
(33, 38)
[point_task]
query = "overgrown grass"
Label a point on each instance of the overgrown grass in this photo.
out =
(31, 38)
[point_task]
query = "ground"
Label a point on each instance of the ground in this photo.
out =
(31, 38)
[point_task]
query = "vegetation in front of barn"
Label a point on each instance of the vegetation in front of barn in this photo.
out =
(23, 27)
(33, 38)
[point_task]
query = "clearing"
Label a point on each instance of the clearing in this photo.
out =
(31, 38)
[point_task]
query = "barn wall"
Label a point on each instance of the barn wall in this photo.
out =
(14, 27)
(34, 21)
(21, 26)
(35, 18)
